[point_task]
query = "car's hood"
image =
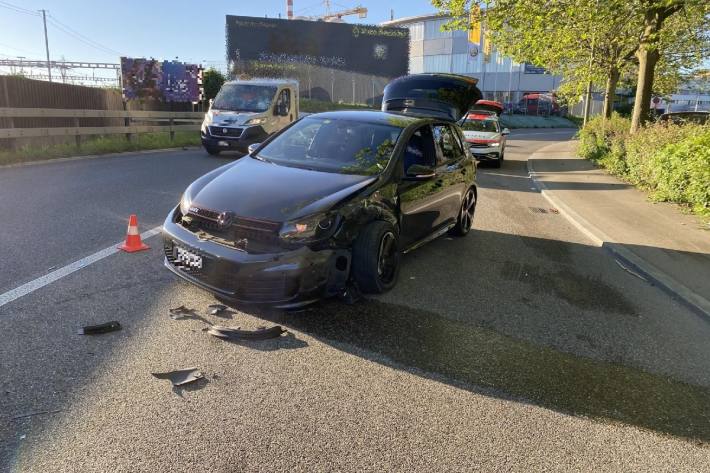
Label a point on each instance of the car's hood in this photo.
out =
(481, 136)
(228, 118)
(257, 189)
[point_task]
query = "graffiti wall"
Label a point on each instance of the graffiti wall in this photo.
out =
(165, 81)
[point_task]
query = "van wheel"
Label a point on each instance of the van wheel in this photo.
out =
(212, 150)
(466, 213)
(376, 258)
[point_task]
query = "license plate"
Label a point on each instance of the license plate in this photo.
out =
(223, 143)
(188, 259)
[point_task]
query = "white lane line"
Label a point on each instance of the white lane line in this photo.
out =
(58, 274)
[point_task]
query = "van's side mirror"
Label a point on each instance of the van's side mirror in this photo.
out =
(505, 132)
(252, 147)
(419, 172)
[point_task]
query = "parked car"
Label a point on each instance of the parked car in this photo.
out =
(680, 118)
(538, 104)
(483, 132)
(332, 201)
(247, 112)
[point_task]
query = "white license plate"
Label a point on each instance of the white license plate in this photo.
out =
(188, 259)
(223, 143)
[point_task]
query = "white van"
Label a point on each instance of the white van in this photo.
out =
(248, 111)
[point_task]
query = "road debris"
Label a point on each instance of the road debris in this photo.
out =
(633, 273)
(181, 377)
(228, 333)
(98, 329)
(216, 309)
(181, 312)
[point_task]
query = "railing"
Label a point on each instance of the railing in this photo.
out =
(176, 122)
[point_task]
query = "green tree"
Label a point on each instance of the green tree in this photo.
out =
(212, 81)
(595, 40)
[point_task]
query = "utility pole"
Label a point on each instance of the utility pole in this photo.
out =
(46, 44)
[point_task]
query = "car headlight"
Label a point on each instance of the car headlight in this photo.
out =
(185, 203)
(255, 121)
(310, 229)
(495, 144)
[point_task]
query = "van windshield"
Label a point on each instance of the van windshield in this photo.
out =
(339, 146)
(244, 97)
(480, 125)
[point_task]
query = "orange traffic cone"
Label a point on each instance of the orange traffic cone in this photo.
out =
(133, 238)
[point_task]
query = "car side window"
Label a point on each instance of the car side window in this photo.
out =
(449, 145)
(285, 100)
(420, 149)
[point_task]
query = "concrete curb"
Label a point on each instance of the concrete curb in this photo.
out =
(654, 275)
(94, 156)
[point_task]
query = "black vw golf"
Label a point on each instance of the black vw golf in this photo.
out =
(331, 201)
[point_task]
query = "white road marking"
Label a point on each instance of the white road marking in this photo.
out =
(58, 274)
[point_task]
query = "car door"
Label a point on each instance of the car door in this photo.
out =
(283, 110)
(450, 171)
(420, 192)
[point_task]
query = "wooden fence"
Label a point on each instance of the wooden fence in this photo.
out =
(168, 122)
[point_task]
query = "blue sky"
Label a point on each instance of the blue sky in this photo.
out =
(191, 30)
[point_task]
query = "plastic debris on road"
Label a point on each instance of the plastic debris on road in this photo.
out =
(98, 329)
(181, 377)
(217, 309)
(228, 333)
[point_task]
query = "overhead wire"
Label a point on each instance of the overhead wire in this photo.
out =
(18, 9)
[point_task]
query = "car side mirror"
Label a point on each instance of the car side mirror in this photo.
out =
(419, 172)
(253, 147)
(505, 132)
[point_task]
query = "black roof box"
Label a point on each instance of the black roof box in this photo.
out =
(446, 96)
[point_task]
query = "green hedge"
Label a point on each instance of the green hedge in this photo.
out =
(671, 162)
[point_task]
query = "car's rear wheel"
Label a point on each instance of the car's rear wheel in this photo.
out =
(376, 258)
(466, 213)
(212, 150)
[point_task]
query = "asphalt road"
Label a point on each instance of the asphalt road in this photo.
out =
(521, 347)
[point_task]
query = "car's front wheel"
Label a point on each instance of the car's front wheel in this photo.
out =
(466, 213)
(212, 150)
(376, 258)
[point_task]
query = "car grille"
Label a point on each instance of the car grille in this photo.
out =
(247, 234)
(220, 131)
(478, 145)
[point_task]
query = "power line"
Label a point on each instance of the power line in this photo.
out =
(17, 9)
(80, 37)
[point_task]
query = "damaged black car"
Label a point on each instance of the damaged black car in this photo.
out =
(332, 201)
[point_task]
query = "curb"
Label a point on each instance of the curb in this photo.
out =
(94, 156)
(654, 275)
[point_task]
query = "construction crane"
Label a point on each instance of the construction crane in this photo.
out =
(330, 16)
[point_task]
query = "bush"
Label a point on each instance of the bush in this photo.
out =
(670, 161)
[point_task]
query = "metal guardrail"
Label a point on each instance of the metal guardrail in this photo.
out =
(128, 129)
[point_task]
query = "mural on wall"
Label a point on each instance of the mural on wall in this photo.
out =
(165, 81)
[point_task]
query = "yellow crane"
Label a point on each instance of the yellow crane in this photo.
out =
(332, 16)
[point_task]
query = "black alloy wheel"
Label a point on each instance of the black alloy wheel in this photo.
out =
(465, 218)
(376, 258)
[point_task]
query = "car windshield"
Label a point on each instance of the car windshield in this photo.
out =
(480, 125)
(244, 97)
(340, 146)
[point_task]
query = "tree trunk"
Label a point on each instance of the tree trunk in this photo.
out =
(648, 56)
(610, 93)
(644, 87)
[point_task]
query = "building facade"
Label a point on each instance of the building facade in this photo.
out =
(499, 77)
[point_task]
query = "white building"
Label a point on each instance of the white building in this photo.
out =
(434, 50)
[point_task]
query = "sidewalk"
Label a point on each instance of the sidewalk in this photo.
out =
(665, 246)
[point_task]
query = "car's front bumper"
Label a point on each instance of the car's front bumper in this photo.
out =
(288, 278)
(489, 153)
(249, 135)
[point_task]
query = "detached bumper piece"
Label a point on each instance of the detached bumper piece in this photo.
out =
(227, 333)
(181, 377)
(98, 329)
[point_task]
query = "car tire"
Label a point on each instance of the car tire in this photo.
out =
(464, 221)
(498, 162)
(211, 150)
(376, 257)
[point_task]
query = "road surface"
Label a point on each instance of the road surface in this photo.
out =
(521, 347)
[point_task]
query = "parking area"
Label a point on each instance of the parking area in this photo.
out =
(521, 347)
